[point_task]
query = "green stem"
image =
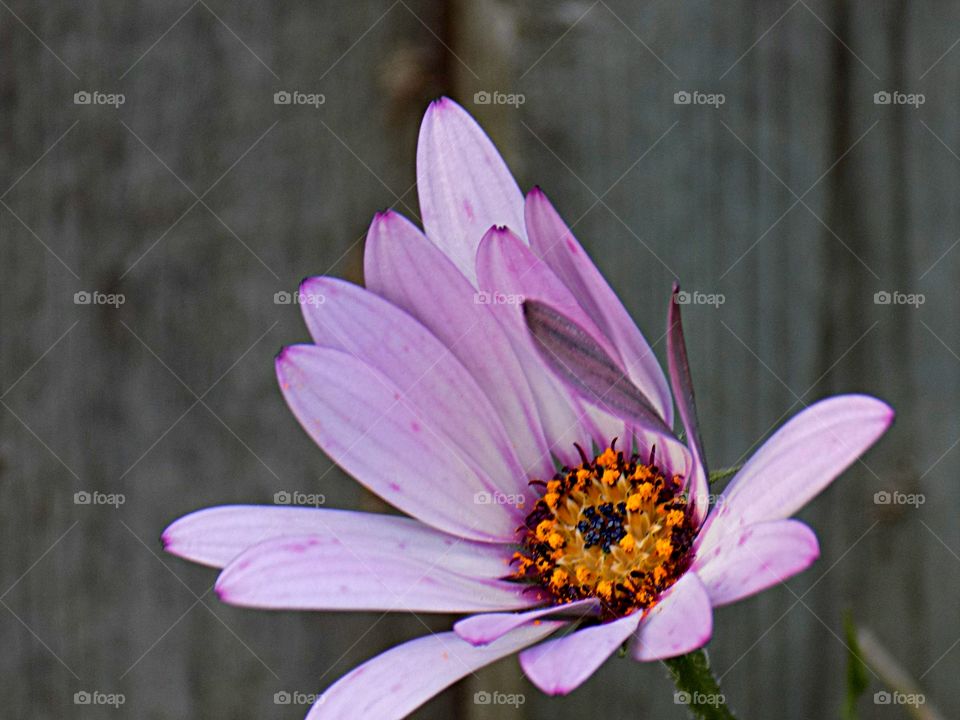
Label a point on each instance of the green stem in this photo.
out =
(718, 475)
(697, 687)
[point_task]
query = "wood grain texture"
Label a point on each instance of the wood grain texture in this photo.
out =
(797, 199)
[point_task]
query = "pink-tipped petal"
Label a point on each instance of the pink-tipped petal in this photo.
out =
(801, 459)
(401, 265)
(679, 367)
(562, 665)
(324, 572)
(217, 535)
(554, 242)
(754, 558)
(680, 622)
(573, 355)
(484, 629)
(395, 683)
(432, 382)
(407, 457)
(506, 266)
(464, 185)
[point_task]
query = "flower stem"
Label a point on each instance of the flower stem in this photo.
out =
(697, 687)
(718, 475)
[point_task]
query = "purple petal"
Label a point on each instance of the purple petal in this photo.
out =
(681, 622)
(484, 629)
(397, 682)
(217, 535)
(464, 185)
(506, 266)
(324, 572)
(800, 460)
(433, 383)
(572, 354)
(562, 665)
(401, 265)
(554, 242)
(754, 558)
(408, 458)
(679, 367)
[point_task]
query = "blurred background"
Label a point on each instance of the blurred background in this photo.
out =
(795, 164)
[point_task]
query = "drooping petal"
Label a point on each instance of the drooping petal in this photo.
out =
(554, 242)
(325, 572)
(572, 354)
(484, 629)
(680, 622)
(401, 265)
(397, 682)
(754, 558)
(506, 266)
(432, 382)
(802, 458)
(464, 185)
(679, 368)
(217, 535)
(560, 666)
(407, 457)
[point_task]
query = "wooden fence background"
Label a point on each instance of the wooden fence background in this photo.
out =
(198, 198)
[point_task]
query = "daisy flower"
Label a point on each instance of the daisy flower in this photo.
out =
(489, 384)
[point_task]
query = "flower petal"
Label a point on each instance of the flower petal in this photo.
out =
(754, 558)
(562, 665)
(679, 368)
(484, 629)
(802, 458)
(464, 185)
(217, 535)
(325, 572)
(554, 242)
(681, 622)
(431, 380)
(401, 265)
(363, 421)
(569, 351)
(397, 682)
(505, 265)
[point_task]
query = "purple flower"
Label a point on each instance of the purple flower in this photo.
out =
(488, 383)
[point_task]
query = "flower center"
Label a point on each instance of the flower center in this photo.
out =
(613, 528)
